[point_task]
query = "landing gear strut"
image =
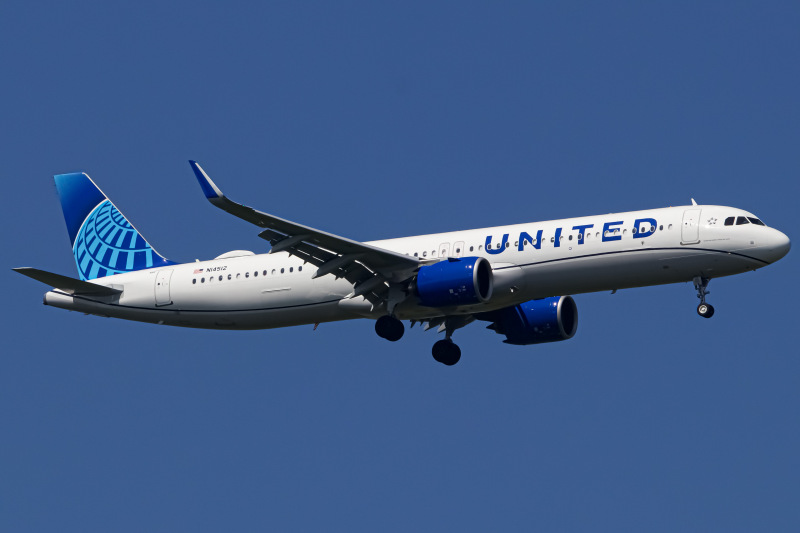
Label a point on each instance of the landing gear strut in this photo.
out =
(389, 328)
(704, 310)
(446, 351)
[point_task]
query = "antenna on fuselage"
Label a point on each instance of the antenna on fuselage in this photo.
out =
(693, 202)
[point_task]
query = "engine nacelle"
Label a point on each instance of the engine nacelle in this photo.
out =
(456, 281)
(536, 321)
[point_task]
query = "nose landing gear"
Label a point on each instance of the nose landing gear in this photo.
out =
(704, 310)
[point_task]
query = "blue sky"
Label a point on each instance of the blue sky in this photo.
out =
(376, 121)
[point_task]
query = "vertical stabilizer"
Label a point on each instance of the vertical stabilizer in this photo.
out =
(103, 242)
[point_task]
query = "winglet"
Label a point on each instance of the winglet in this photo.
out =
(211, 191)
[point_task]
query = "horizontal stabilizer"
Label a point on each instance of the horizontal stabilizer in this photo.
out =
(67, 284)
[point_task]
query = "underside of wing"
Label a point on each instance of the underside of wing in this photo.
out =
(368, 268)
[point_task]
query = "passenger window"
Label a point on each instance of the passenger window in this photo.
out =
(507, 244)
(570, 237)
(238, 274)
(247, 274)
(220, 277)
(471, 248)
(282, 271)
(229, 276)
(264, 273)
(741, 221)
(194, 281)
(202, 280)
(415, 254)
(291, 269)
(729, 221)
(299, 269)
(424, 254)
(255, 274)
(458, 250)
(660, 228)
(273, 271)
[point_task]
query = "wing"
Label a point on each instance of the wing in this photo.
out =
(368, 268)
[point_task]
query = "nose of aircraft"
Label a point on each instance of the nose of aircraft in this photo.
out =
(777, 245)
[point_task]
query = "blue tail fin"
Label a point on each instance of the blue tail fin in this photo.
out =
(103, 242)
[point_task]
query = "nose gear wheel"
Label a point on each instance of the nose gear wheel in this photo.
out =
(704, 310)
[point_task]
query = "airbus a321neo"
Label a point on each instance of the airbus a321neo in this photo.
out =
(516, 278)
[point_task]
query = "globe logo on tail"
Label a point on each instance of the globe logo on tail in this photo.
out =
(107, 244)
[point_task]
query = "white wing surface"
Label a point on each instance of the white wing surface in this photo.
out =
(368, 268)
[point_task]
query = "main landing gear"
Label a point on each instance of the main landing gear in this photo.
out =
(389, 328)
(444, 351)
(704, 310)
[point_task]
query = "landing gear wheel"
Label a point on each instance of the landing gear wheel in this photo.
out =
(705, 310)
(389, 328)
(701, 284)
(446, 352)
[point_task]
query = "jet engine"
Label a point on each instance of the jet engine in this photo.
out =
(456, 281)
(536, 321)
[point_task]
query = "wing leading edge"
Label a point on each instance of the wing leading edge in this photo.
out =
(368, 268)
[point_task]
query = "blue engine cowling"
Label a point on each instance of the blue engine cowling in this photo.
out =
(536, 321)
(456, 281)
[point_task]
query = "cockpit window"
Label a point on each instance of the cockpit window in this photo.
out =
(755, 221)
(729, 221)
(741, 220)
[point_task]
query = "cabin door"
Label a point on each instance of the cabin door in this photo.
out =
(690, 230)
(162, 287)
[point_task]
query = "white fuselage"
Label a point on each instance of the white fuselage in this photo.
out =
(535, 260)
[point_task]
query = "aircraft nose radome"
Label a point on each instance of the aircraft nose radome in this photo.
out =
(778, 247)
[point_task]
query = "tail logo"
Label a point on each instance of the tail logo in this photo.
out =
(107, 244)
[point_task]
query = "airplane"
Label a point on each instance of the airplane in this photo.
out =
(517, 278)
